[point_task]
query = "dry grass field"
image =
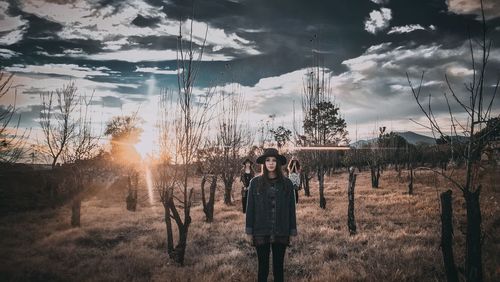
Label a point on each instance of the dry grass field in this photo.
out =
(398, 238)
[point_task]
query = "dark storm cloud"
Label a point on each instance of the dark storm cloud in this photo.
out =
(40, 40)
(37, 27)
(203, 10)
(110, 101)
(283, 34)
(28, 116)
(283, 30)
(160, 42)
(30, 90)
(145, 22)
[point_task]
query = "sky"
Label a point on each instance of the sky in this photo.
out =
(124, 51)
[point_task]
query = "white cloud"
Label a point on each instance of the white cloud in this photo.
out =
(59, 69)
(378, 20)
(45, 53)
(7, 22)
(459, 71)
(144, 55)
(272, 96)
(399, 87)
(73, 51)
(375, 89)
(14, 27)
(216, 48)
(80, 20)
(405, 29)
(491, 8)
(12, 37)
(116, 44)
(380, 2)
(7, 54)
(378, 47)
(156, 70)
(218, 37)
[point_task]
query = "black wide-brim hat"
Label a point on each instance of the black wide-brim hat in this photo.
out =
(271, 152)
(247, 160)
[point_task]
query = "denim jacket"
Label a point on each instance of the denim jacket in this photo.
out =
(265, 219)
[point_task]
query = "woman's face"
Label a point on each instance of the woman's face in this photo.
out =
(247, 165)
(270, 164)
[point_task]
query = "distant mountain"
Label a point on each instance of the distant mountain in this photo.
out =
(362, 143)
(414, 138)
(409, 136)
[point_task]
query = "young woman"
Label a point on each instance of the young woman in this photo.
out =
(270, 217)
(247, 173)
(294, 175)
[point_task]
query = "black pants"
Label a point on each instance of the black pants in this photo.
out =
(244, 195)
(278, 259)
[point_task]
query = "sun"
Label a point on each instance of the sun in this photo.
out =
(146, 144)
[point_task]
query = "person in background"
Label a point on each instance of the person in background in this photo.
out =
(270, 216)
(247, 173)
(294, 176)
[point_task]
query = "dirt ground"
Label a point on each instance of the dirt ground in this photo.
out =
(398, 237)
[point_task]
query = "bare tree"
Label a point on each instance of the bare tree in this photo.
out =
(230, 139)
(12, 142)
(81, 153)
(264, 134)
(56, 119)
(183, 127)
(322, 123)
(374, 158)
(281, 135)
(479, 128)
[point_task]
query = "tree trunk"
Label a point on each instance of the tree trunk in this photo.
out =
(75, 211)
(131, 201)
(410, 185)
(351, 222)
(473, 260)
(170, 236)
(321, 181)
(132, 182)
(399, 174)
(305, 180)
(211, 200)
(208, 207)
(375, 173)
(227, 193)
(180, 249)
(447, 237)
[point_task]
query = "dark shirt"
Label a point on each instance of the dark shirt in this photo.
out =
(261, 240)
(245, 178)
(270, 213)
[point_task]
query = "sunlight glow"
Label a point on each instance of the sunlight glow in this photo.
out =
(145, 147)
(149, 183)
(149, 112)
(331, 148)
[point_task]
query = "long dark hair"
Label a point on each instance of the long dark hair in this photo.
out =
(264, 176)
(297, 166)
(252, 171)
